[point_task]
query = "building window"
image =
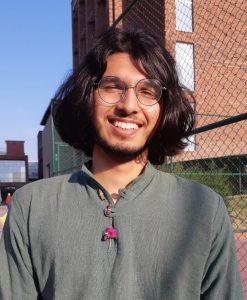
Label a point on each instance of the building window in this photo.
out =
(184, 15)
(185, 65)
(33, 170)
(12, 171)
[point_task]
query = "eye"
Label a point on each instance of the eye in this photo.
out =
(145, 92)
(110, 86)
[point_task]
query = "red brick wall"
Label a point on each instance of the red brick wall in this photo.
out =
(89, 19)
(115, 10)
(219, 57)
(220, 71)
(15, 148)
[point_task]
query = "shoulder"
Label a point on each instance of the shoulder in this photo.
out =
(46, 190)
(195, 202)
(190, 193)
(42, 185)
(48, 183)
(185, 185)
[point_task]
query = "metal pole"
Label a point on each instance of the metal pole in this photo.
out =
(129, 6)
(221, 123)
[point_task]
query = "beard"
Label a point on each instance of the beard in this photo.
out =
(119, 152)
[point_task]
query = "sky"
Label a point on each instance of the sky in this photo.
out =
(35, 57)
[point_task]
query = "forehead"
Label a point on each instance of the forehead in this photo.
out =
(124, 66)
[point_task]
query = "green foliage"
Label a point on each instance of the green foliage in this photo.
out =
(242, 203)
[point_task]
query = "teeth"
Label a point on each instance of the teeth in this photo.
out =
(125, 125)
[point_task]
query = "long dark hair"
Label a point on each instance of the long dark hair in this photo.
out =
(73, 105)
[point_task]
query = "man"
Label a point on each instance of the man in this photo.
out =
(120, 229)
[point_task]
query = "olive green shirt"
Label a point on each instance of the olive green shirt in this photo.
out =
(174, 241)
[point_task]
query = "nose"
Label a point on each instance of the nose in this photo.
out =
(128, 102)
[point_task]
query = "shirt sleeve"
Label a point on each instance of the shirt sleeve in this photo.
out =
(16, 271)
(221, 279)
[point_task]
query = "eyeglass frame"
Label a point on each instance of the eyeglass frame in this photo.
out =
(126, 87)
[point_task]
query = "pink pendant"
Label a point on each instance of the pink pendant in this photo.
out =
(110, 233)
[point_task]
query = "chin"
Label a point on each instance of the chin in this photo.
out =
(120, 151)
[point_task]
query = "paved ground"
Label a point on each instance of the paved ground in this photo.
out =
(3, 211)
(241, 244)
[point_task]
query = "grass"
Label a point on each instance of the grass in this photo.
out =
(237, 208)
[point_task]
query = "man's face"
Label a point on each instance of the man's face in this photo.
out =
(123, 128)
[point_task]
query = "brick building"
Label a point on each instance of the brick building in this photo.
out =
(217, 42)
(89, 18)
(13, 168)
(208, 42)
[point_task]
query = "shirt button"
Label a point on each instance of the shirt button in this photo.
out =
(101, 195)
(108, 210)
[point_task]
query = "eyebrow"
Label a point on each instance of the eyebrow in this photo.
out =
(125, 83)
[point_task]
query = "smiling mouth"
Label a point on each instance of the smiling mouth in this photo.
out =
(125, 125)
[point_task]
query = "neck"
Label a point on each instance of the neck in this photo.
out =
(114, 173)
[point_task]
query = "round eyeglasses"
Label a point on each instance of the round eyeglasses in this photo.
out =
(112, 89)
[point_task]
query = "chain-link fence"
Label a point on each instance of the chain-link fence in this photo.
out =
(208, 40)
(65, 158)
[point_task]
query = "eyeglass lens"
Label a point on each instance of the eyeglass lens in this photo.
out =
(111, 89)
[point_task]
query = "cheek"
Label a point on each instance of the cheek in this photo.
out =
(153, 114)
(99, 104)
(100, 112)
(96, 106)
